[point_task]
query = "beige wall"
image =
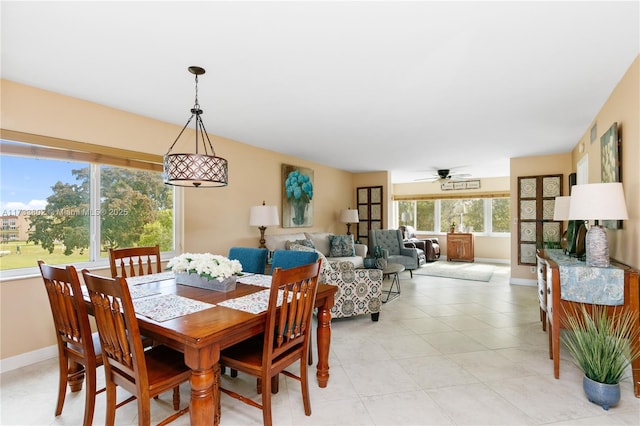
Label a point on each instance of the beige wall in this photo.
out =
(485, 247)
(214, 218)
(623, 107)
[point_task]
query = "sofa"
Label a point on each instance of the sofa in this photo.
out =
(359, 290)
(343, 248)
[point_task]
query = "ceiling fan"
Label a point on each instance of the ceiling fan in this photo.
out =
(446, 175)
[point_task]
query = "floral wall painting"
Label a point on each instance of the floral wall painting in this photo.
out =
(297, 196)
(610, 164)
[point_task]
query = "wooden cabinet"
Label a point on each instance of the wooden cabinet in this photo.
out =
(460, 247)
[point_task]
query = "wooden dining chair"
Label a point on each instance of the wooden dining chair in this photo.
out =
(79, 351)
(134, 261)
(285, 339)
(144, 374)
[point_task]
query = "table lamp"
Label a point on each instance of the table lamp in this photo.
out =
(263, 216)
(597, 201)
(349, 216)
(561, 213)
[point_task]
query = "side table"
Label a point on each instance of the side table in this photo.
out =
(392, 270)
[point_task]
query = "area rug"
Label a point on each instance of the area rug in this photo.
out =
(461, 271)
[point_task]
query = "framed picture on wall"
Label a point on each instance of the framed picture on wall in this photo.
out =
(297, 196)
(610, 164)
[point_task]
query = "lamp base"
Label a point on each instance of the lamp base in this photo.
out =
(262, 240)
(597, 247)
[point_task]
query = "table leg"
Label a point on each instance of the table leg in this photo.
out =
(204, 406)
(75, 376)
(324, 340)
(395, 279)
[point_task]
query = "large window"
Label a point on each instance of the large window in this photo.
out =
(480, 215)
(71, 212)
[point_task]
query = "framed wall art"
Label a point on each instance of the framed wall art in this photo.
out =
(610, 164)
(297, 196)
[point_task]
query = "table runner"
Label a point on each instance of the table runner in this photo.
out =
(588, 284)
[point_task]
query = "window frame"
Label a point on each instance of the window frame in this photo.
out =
(68, 150)
(487, 209)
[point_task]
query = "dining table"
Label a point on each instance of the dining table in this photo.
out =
(200, 323)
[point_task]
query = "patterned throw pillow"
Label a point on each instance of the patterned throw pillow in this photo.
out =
(341, 246)
(305, 242)
(324, 263)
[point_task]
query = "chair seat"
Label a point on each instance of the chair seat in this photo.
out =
(95, 337)
(165, 365)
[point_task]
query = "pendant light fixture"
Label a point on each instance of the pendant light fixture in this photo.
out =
(202, 168)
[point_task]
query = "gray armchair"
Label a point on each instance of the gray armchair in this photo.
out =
(392, 244)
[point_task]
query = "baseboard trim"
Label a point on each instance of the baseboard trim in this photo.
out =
(28, 358)
(523, 281)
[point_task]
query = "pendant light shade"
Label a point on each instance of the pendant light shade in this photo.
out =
(202, 168)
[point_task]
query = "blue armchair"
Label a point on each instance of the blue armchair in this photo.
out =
(392, 244)
(253, 260)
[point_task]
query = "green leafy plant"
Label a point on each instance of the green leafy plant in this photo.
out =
(600, 342)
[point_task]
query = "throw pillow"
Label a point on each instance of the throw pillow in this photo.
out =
(324, 263)
(341, 246)
(305, 242)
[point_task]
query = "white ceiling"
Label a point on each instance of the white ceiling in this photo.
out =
(402, 86)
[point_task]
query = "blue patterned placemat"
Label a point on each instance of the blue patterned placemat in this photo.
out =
(253, 303)
(256, 279)
(143, 279)
(168, 306)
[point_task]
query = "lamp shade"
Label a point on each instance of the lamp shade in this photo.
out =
(561, 208)
(349, 216)
(264, 216)
(598, 201)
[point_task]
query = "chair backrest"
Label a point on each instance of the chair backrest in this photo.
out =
(118, 329)
(288, 327)
(389, 239)
(134, 261)
(286, 259)
(253, 260)
(69, 312)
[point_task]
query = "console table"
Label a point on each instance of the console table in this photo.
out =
(460, 247)
(569, 284)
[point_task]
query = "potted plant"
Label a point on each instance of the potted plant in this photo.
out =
(452, 228)
(378, 253)
(601, 345)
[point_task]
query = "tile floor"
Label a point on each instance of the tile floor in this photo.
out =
(446, 352)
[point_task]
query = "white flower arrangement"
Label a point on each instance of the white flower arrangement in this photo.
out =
(206, 265)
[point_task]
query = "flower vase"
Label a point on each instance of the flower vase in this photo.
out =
(195, 280)
(299, 210)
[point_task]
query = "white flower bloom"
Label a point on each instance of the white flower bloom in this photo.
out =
(211, 266)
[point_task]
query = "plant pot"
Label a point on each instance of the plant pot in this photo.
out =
(195, 280)
(369, 262)
(602, 394)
